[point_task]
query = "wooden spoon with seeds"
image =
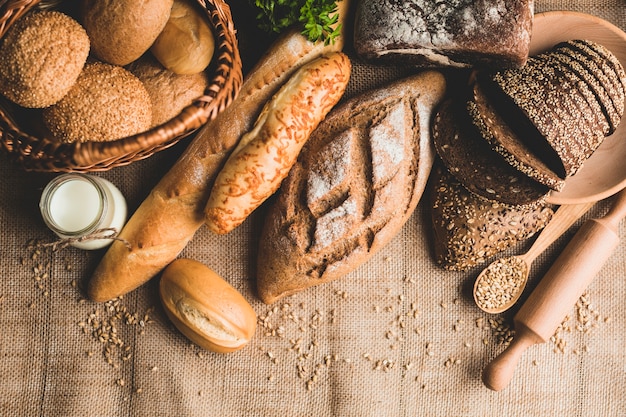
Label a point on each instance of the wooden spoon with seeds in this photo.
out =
(564, 283)
(502, 282)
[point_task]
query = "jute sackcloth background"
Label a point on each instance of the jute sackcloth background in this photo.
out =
(398, 337)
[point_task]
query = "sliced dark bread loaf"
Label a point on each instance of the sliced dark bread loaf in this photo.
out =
(594, 94)
(468, 229)
(606, 69)
(493, 127)
(545, 97)
(475, 164)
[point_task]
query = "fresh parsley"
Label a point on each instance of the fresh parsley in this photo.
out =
(318, 17)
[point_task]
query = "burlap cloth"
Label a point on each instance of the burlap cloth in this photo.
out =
(398, 337)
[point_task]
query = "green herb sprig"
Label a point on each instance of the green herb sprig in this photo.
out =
(318, 17)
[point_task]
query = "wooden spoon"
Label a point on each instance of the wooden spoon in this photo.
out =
(502, 282)
(558, 291)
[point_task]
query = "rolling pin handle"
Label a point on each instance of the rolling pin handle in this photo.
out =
(497, 375)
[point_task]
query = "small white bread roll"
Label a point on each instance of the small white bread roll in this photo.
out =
(264, 155)
(206, 308)
(186, 43)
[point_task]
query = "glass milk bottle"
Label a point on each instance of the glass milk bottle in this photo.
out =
(83, 209)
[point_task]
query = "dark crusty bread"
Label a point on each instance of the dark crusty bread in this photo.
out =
(550, 92)
(475, 164)
(468, 229)
(357, 181)
(610, 78)
(504, 140)
(444, 33)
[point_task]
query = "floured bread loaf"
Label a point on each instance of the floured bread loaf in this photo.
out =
(460, 33)
(468, 229)
(357, 181)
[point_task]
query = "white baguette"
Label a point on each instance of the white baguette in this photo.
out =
(264, 155)
(174, 210)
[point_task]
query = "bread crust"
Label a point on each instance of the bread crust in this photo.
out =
(264, 155)
(120, 31)
(357, 181)
(174, 210)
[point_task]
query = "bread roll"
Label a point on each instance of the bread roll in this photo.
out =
(106, 103)
(356, 183)
(35, 71)
(174, 210)
(170, 93)
(264, 156)
(186, 43)
(206, 308)
(122, 30)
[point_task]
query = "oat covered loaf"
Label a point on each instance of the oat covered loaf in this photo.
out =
(459, 33)
(469, 229)
(357, 181)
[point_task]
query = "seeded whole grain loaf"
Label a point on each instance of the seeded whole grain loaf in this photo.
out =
(474, 162)
(504, 138)
(608, 71)
(468, 229)
(549, 92)
(357, 181)
(461, 33)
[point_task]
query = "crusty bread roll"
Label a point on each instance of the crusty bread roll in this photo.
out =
(206, 308)
(172, 213)
(122, 30)
(357, 181)
(170, 93)
(186, 43)
(264, 156)
(106, 103)
(35, 71)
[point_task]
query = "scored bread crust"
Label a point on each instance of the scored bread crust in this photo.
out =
(264, 155)
(357, 181)
(172, 213)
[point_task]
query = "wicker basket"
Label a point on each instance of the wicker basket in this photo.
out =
(47, 155)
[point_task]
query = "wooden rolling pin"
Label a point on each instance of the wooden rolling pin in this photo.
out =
(558, 291)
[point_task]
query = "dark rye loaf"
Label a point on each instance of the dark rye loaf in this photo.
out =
(468, 230)
(475, 164)
(561, 104)
(357, 181)
(461, 33)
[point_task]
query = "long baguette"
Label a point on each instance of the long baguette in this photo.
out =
(265, 154)
(172, 213)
